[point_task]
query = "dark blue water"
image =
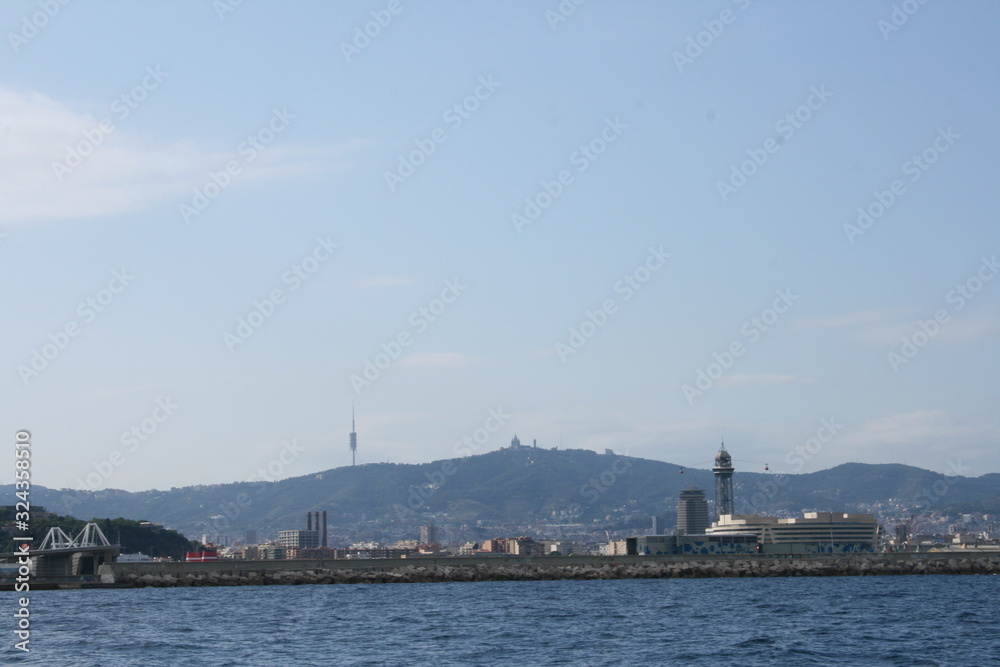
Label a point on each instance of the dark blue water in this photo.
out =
(904, 620)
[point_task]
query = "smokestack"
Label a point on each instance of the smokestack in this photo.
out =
(309, 520)
(324, 529)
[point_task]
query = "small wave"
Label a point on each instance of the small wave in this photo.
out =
(758, 641)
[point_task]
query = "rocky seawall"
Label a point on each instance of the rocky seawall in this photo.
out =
(252, 573)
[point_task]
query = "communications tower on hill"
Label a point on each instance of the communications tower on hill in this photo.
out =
(354, 437)
(723, 482)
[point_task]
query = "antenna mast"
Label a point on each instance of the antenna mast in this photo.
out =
(354, 437)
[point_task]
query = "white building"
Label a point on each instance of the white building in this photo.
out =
(564, 547)
(813, 527)
(298, 538)
(133, 558)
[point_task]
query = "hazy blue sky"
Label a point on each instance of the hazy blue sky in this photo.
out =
(456, 190)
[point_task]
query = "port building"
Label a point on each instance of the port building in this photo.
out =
(814, 532)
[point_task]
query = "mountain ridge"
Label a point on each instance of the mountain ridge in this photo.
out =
(518, 486)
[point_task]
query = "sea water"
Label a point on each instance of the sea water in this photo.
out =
(890, 620)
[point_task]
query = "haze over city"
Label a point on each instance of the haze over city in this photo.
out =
(597, 226)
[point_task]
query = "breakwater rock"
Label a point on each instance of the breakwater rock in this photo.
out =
(253, 573)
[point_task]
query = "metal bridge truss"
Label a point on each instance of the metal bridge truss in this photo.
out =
(90, 536)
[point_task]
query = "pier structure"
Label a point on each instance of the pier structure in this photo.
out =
(60, 556)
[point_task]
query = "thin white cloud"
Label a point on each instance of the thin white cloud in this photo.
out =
(742, 380)
(983, 324)
(888, 327)
(384, 281)
(856, 318)
(907, 428)
(122, 172)
(871, 327)
(435, 360)
(930, 439)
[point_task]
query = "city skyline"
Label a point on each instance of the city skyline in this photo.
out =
(601, 227)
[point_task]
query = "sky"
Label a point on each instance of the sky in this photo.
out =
(636, 226)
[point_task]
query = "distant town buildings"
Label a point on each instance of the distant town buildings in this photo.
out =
(310, 538)
(515, 546)
(298, 539)
(564, 532)
(273, 552)
(815, 532)
(430, 534)
(563, 547)
(617, 548)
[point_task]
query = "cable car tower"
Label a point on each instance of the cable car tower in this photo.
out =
(723, 482)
